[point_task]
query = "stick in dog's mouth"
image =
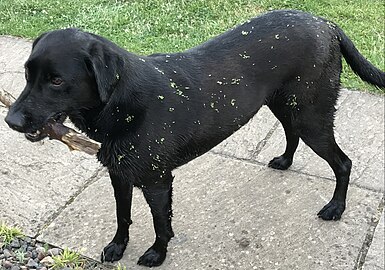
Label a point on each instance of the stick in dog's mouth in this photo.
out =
(40, 134)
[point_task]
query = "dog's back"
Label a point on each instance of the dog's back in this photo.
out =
(289, 60)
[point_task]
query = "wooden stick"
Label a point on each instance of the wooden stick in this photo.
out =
(6, 98)
(57, 131)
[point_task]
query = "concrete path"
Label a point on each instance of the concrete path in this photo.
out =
(230, 210)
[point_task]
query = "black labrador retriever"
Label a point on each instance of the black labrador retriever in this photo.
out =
(155, 113)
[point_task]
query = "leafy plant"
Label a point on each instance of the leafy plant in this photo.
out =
(20, 255)
(46, 247)
(8, 234)
(68, 258)
(120, 267)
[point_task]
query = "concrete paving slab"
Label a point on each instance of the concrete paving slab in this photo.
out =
(360, 133)
(376, 255)
(13, 83)
(15, 52)
(373, 175)
(37, 179)
(249, 139)
(228, 214)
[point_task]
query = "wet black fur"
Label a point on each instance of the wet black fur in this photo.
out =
(155, 113)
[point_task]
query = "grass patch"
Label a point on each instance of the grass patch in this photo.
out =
(68, 258)
(120, 267)
(8, 234)
(20, 256)
(150, 26)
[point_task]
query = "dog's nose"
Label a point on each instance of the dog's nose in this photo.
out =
(15, 120)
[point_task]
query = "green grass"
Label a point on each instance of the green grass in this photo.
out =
(148, 26)
(69, 259)
(120, 267)
(20, 255)
(8, 234)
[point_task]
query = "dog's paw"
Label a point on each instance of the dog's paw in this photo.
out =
(152, 257)
(113, 252)
(280, 163)
(332, 211)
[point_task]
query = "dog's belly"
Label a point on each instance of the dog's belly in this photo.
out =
(213, 118)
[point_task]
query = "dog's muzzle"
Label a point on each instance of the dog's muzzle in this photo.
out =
(42, 133)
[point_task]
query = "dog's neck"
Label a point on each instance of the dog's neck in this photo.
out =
(86, 121)
(108, 121)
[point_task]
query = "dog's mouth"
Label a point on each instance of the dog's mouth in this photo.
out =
(35, 136)
(43, 132)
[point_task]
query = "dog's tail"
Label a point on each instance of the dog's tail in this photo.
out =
(360, 65)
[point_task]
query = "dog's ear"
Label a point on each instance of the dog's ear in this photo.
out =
(105, 65)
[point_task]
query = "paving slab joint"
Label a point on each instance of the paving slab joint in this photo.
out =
(262, 143)
(11, 72)
(249, 161)
(372, 189)
(369, 236)
(371, 161)
(257, 150)
(87, 183)
(301, 172)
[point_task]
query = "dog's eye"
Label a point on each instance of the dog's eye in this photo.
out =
(56, 81)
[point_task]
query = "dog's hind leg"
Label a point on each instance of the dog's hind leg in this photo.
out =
(314, 121)
(123, 197)
(326, 147)
(159, 198)
(279, 108)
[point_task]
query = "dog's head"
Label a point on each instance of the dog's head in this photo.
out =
(67, 71)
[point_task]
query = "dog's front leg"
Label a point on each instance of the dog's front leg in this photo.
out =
(123, 197)
(159, 198)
